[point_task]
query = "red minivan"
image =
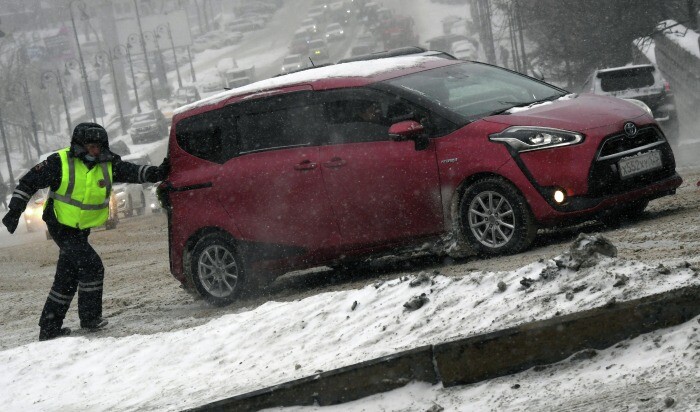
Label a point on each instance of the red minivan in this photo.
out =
(335, 163)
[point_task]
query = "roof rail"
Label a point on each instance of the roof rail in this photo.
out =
(401, 51)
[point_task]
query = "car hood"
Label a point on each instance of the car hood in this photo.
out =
(583, 112)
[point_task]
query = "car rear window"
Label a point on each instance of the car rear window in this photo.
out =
(626, 79)
(209, 136)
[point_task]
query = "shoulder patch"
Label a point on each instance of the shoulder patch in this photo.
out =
(40, 166)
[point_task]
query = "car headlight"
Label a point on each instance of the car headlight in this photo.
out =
(529, 138)
(641, 105)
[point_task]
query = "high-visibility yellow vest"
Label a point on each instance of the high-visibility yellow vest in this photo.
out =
(82, 199)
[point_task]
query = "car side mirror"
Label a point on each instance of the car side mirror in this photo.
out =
(409, 130)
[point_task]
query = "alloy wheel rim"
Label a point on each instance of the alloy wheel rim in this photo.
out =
(218, 271)
(491, 219)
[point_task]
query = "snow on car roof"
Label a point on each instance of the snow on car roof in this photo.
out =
(358, 69)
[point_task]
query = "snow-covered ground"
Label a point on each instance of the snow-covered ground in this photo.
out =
(171, 365)
(281, 341)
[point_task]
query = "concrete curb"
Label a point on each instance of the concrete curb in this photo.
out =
(481, 357)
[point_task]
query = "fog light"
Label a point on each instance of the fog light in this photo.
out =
(559, 196)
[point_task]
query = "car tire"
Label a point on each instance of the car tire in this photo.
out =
(618, 216)
(216, 270)
(495, 218)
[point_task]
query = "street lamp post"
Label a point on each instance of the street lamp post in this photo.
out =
(189, 55)
(165, 28)
(56, 75)
(154, 101)
(7, 152)
(4, 140)
(82, 7)
(153, 36)
(100, 56)
(25, 88)
(127, 53)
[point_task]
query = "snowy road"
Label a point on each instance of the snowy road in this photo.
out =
(141, 297)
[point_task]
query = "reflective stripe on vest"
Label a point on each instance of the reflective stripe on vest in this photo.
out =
(80, 200)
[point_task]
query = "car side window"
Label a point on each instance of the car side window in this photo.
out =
(283, 121)
(209, 136)
(356, 120)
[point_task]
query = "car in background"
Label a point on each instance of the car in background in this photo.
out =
(391, 154)
(465, 50)
(335, 31)
(245, 25)
(361, 49)
(318, 52)
(293, 62)
(35, 210)
(300, 42)
(214, 85)
(642, 82)
(131, 197)
(317, 13)
(309, 25)
(148, 127)
(186, 95)
(154, 201)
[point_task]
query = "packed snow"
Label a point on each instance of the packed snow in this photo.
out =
(282, 341)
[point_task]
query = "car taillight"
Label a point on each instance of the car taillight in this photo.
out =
(667, 86)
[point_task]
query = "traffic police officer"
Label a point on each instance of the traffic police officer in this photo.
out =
(80, 179)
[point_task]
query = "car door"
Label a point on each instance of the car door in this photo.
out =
(273, 188)
(382, 191)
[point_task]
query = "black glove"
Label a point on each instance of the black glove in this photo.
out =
(11, 220)
(164, 169)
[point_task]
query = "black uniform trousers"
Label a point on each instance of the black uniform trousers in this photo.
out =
(79, 268)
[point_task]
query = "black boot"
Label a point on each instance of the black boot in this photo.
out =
(47, 334)
(94, 325)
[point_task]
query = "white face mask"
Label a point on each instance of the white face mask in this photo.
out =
(89, 158)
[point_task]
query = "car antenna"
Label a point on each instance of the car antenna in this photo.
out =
(312, 62)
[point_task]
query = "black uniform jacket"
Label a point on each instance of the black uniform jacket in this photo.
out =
(48, 174)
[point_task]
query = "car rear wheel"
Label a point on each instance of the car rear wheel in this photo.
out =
(495, 218)
(216, 270)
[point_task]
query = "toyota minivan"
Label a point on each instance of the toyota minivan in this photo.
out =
(341, 162)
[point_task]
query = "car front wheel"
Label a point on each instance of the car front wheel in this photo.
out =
(495, 218)
(216, 270)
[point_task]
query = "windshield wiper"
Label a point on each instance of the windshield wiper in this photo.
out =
(525, 104)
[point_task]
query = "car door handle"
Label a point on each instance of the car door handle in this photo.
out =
(305, 165)
(335, 163)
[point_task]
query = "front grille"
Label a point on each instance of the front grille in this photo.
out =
(620, 143)
(604, 178)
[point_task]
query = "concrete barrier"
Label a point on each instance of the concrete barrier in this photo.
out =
(481, 357)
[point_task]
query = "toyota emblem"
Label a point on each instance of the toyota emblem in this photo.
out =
(630, 129)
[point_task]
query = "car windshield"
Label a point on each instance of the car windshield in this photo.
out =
(144, 117)
(475, 90)
(291, 59)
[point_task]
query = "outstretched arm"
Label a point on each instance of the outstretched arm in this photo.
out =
(125, 172)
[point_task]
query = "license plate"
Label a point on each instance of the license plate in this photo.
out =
(634, 165)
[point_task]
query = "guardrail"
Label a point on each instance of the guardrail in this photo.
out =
(681, 68)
